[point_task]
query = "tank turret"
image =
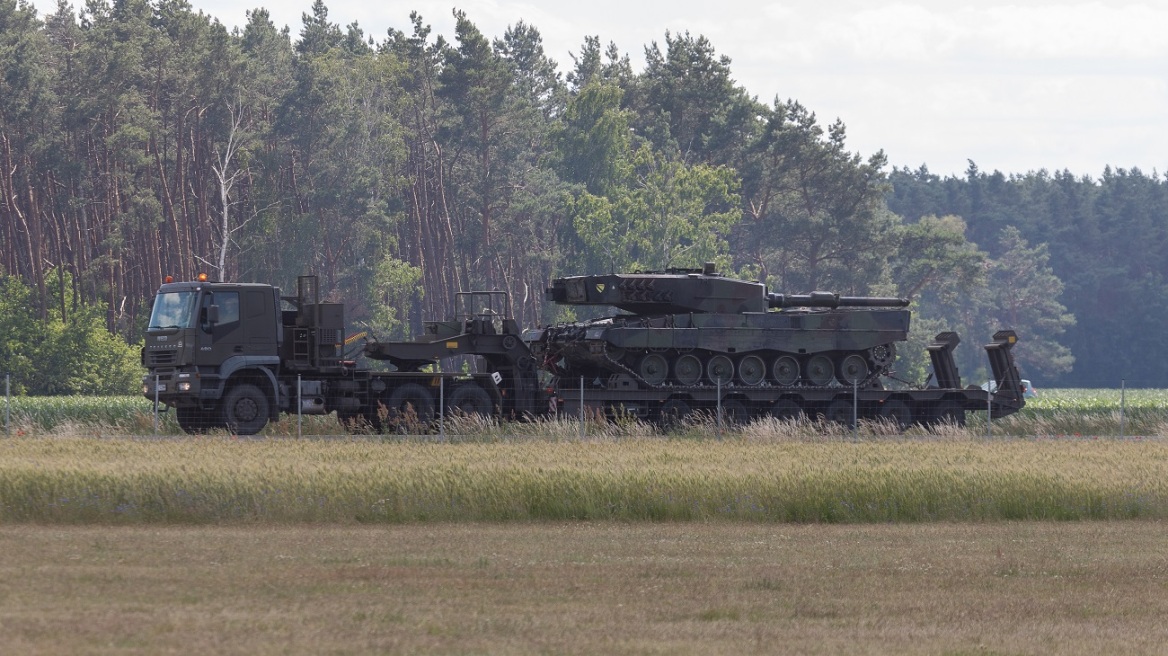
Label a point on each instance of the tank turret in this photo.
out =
(693, 327)
(668, 292)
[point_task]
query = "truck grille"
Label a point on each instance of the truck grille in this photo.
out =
(161, 358)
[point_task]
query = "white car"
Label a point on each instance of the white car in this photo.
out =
(1028, 390)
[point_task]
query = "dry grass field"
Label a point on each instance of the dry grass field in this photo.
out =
(587, 588)
(283, 480)
(752, 543)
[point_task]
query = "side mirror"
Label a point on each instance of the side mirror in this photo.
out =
(213, 315)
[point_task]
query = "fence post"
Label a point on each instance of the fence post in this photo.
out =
(855, 410)
(581, 407)
(156, 379)
(718, 405)
(7, 405)
(299, 408)
(441, 405)
(989, 414)
(1122, 404)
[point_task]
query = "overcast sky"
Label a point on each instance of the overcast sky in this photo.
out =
(1014, 86)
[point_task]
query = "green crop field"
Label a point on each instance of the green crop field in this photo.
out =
(1087, 412)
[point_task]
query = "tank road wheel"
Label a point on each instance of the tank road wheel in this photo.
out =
(469, 399)
(674, 413)
(819, 370)
(786, 370)
(688, 369)
(245, 410)
(410, 406)
(735, 412)
(653, 368)
(852, 370)
(751, 370)
(840, 412)
(193, 420)
(720, 369)
(787, 410)
(897, 411)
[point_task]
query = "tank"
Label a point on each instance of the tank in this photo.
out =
(696, 327)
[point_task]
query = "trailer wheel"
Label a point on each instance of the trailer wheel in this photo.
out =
(897, 411)
(469, 399)
(948, 412)
(735, 412)
(840, 411)
(408, 405)
(674, 412)
(245, 410)
(787, 410)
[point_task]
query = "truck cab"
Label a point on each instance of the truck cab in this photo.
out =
(203, 335)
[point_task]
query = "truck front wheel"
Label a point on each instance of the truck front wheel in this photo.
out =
(245, 410)
(193, 420)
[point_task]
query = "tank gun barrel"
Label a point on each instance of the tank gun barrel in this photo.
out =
(830, 300)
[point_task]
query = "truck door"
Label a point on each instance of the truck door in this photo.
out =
(222, 338)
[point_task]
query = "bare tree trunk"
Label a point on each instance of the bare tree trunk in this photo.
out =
(227, 177)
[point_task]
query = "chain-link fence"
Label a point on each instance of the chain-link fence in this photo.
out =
(460, 408)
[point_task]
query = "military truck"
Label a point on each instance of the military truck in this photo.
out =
(236, 355)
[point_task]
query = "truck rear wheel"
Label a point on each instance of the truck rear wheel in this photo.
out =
(409, 405)
(469, 399)
(245, 409)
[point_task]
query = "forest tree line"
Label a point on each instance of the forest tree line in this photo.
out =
(140, 139)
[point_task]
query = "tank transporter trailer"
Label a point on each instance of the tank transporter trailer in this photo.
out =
(237, 355)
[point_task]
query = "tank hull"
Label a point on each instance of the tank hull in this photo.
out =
(788, 348)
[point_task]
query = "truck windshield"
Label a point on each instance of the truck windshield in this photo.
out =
(174, 310)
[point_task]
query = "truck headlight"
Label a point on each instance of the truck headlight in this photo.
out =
(184, 387)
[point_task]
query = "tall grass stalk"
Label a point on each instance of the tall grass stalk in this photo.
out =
(1057, 412)
(219, 479)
